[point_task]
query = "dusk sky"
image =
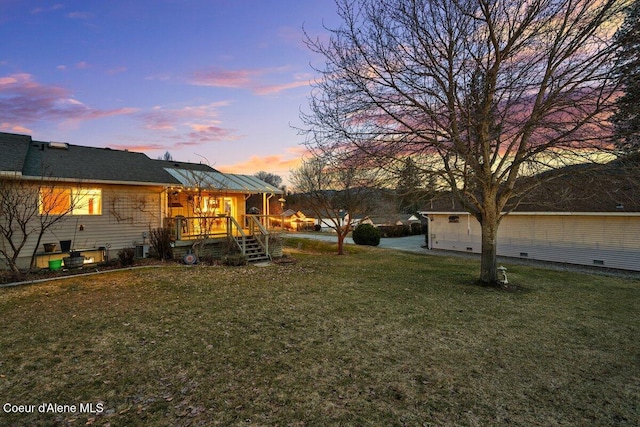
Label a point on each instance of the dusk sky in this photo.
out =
(221, 80)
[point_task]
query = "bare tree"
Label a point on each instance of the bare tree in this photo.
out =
(29, 208)
(336, 188)
(477, 92)
(269, 178)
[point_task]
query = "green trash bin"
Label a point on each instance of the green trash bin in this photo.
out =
(55, 264)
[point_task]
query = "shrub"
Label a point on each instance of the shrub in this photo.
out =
(160, 239)
(394, 230)
(366, 234)
(234, 260)
(126, 256)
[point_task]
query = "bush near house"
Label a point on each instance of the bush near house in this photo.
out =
(366, 234)
(127, 256)
(394, 230)
(400, 230)
(161, 241)
(234, 260)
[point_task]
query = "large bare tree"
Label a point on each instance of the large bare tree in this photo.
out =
(477, 92)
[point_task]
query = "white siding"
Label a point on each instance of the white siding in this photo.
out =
(462, 236)
(585, 239)
(127, 212)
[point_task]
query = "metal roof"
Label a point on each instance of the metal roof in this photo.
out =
(215, 180)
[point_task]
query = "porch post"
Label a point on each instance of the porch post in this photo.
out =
(179, 227)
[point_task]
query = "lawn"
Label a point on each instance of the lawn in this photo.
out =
(373, 338)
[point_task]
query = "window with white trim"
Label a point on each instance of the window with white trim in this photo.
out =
(76, 201)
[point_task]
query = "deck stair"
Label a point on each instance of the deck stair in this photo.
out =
(253, 250)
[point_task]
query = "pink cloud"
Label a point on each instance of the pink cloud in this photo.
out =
(252, 80)
(160, 118)
(8, 127)
(205, 134)
(189, 126)
(23, 100)
(280, 164)
(138, 148)
(225, 78)
(269, 90)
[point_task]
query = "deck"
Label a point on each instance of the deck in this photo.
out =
(251, 236)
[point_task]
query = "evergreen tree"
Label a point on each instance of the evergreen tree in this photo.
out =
(167, 156)
(627, 117)
(408, 189)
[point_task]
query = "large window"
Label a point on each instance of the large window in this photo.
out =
(76, 201)
(87, 201)
(55, 200)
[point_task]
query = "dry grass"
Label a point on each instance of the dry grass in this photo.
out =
(372, 338)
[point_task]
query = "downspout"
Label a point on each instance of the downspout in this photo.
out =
(266, 198)
(164, 206)
(430, 231)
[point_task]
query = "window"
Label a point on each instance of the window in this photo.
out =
(454, 218)
(203, 204)
(87, 201)
(55, 201)
(76, 201)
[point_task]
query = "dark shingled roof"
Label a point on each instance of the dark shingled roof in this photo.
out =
(66, 161)
(13, 151)
(89, 164)
(92, 164)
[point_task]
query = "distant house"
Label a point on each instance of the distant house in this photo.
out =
(121, 195)
(297, 220)
(326, 220)
(579, 218)
(391, 220)
(395, 225)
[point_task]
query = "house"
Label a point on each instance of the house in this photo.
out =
(326, 220)
(395, 225)
(297, 220)
(115, 197)
(588, 216)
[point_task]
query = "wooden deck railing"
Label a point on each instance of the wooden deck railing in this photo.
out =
(194, 228)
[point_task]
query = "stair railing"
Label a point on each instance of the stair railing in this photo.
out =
(231, 224)
(257, 230)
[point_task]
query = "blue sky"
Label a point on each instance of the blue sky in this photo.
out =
(218, 81)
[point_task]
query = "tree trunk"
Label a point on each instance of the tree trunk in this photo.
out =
(488, 264)
(341, 243)
(343, 232)
(13, 266)
(32, 264)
